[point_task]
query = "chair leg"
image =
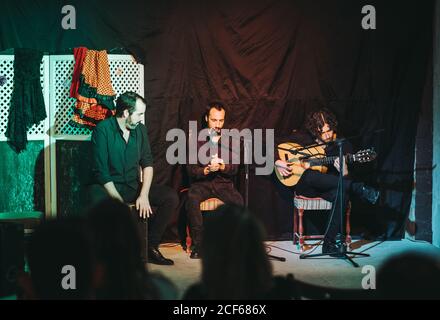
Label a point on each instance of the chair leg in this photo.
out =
(295, 226)
(347, 225)
(301, 229)
(188, 240)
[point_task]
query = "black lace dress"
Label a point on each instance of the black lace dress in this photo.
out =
(27, 102)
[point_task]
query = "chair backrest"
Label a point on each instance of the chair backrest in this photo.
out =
(210, 204)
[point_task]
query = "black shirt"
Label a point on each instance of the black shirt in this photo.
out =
(117, 160)
(222, 176)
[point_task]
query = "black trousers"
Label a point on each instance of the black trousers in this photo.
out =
(163, 199)
(316, 184)
(199, 192)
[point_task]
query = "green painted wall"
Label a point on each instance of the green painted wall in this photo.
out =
(22, 178)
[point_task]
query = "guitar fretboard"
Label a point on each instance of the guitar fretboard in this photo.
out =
(328, 160)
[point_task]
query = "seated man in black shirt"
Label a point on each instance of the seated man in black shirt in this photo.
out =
(321, 127)
(120, 148)
(214, 179)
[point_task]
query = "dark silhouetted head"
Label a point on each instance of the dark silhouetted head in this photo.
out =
(61, 262)
(117, 242)
(234, 260)
(411, 275)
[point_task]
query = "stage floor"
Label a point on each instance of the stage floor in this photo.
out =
(323, 271)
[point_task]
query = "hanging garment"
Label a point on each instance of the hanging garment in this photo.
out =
(94, 94)
(27, 101)
(79, 55)
(88, 114)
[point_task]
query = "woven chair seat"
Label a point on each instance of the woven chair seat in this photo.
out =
(311, 203)
(210, 204)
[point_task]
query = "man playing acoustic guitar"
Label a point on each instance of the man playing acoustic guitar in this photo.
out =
(321, 127)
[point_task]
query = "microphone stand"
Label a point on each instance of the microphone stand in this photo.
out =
(247, 160)
(341, 251)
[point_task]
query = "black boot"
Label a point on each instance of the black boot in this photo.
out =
(154, 256)
(197, 240)
(195, 253)
(365, 192)
(330, 247)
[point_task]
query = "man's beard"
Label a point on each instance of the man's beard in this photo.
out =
(131, 125)
(214, 131)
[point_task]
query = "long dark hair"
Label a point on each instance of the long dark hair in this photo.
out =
(315, 120)
(234, 260)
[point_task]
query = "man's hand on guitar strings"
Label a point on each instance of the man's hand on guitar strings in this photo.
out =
(305, 164)
(283, 168)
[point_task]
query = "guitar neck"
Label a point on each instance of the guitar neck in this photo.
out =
(328, 160)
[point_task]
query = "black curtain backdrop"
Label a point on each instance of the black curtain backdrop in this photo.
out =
(270, 62)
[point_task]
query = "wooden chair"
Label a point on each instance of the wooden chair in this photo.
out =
(210, 204)
(302, 204)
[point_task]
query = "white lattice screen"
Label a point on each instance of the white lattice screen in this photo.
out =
(56, 75)
(125, 73)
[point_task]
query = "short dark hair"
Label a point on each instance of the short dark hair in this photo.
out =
(127, 101)
(315, 120)
(214, 105)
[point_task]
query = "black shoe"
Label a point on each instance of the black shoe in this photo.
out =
(195, 253)
(154, 256)
(331, 248)
(370, 194)
(366, 193)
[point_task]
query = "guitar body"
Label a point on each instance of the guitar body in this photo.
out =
(295, 162)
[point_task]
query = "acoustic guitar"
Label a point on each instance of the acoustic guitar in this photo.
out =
(295, 155)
